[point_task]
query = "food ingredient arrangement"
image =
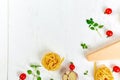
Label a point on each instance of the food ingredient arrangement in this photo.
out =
(51, 61)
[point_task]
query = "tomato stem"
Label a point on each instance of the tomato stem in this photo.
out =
(71, 62)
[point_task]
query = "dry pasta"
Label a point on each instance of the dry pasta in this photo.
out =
(103, 73)
(52, 61)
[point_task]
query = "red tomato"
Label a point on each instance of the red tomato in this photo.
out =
(22, 76)
(108, 11)
(109, 33)
(116, 69)
(72, 66)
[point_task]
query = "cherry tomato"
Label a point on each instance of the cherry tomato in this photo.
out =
(109, 33)
(22, 76)
(116, 69)
(72, 66)
(108, 11)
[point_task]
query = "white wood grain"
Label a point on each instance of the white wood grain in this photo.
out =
(37, 26)
(3, 38)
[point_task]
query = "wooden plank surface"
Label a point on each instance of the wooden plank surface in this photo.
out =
(3, 38)
(37, 26)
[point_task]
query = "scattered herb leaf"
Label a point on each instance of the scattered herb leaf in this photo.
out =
(51, 79)
(84, 46)
(38, 78)
(34, 66)
(86, 72)
(29, 72)
(92, 28)
(35, 72)
(101, 26)
(93, 25)
(38, 72)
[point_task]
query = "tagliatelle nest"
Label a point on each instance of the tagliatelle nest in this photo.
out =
(103, 73)
(52, 61)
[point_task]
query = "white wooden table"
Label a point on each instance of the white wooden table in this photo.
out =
(29, 28)
(3, 39)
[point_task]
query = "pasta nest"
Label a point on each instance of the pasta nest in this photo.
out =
(52, 61)
(103, 73)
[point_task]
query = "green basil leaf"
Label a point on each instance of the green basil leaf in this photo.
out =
(92, 28)
(101, 26)
(38, 78)
(86, 72)
(29, 71)
(38, 65)
(38, 72)
(33, 66)
(91, 19)
(81, 44)
(88, 21)
(95, 24)
(86, 47)
(83, 47)
(89, 25)
(92, 22)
